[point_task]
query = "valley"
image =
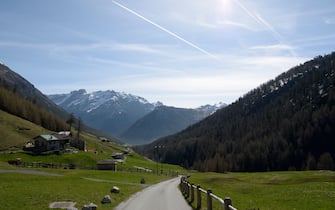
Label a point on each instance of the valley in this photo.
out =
(167, 105)
(266, 176)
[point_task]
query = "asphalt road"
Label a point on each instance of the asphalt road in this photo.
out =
(162, 196)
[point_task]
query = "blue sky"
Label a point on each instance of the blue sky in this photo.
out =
(183, 53)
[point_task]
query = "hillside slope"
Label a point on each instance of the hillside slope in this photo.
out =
(286, 123)
(15, 131)
(19, 85)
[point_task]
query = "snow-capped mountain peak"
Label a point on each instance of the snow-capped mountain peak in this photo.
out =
(103, 109)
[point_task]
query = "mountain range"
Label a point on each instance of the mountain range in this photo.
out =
(131, 118)
(108, 111)
(287, 123)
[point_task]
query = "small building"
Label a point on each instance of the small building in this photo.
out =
(118, 155)
(107, 165)
(51, 142)
(65, 133)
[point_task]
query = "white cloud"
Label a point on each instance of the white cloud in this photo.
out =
(236, 24)
(316, 41)
(330, 21)
(135, 47)
(248, 73)
(184, 87)
(275, 47)
(98, 46)
(271, 66)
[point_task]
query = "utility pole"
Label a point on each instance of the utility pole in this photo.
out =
(79, 128)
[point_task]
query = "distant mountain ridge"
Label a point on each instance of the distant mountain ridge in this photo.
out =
(287, 123)
(109, 111)
(165, 120)
(127, 116)
(88, 102)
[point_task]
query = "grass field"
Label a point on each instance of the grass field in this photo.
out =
(27, 191)
(272, 190)
(264, 191)
(13, 138)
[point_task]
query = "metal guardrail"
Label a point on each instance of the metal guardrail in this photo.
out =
(188, 189)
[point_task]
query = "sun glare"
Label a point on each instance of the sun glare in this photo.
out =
(225, 7)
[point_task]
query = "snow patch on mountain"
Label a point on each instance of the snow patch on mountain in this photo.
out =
(210, 109)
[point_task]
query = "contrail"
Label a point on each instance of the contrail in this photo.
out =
(261, 21)
(165, 30)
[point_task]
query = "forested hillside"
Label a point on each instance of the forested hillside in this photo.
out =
(286, 123)
(22, 99)
(16, 105)
(14, 82)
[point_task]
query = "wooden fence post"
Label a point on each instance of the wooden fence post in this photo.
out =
(182, 185)
(198, 197)
(227, 203)
(192, 193)
(185, 188)
(209, 199)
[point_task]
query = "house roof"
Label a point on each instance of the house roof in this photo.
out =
(65, 133)
(53, 137)
(49, 137)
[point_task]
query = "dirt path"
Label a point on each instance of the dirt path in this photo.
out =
(116, 182)
(62, 205)
(30, 172)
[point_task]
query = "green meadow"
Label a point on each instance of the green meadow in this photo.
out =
(264, 191)
(29, 191)
(84, 186)
(271, 190)
(34, 191)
